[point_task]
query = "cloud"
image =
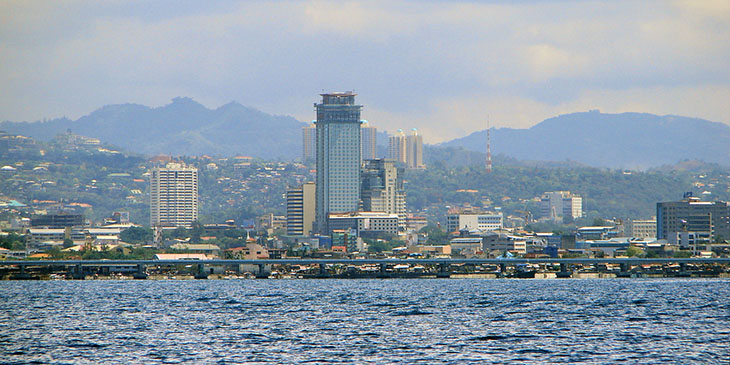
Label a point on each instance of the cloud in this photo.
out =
(438, 66)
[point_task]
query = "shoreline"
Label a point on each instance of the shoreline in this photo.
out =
(491, 276)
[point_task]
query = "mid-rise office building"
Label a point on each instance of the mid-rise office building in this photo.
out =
(711, 219)
(174, 195)
(474, 222)
(642, 228)
(300, 210)
(369, 141)
(414, 151)
(309, 143)
(382, 189)
(60, 220)
(558, 204)
(338, 156)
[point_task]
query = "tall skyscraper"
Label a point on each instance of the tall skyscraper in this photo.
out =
(414, 150)
(369, 141)
(338, 156)
(382, 189)
(397, 147)
(174, 195)
(300, 209)
(309, 143)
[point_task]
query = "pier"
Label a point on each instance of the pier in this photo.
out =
(381, 268)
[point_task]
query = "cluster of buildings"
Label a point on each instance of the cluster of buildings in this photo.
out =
(71, 232)
(354, 193)
(406, 151)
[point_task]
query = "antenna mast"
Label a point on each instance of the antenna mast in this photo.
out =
(489, 149)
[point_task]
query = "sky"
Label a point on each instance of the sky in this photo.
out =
(444, 67)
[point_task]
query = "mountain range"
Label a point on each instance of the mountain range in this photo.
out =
(185, 127)
(626, 140)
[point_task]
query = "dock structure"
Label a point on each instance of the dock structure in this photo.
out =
(441, 268)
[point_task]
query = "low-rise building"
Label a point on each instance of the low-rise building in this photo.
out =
(415, 223)
(364, 222)
(441, 250)
(558, 204)
(595, 233)
(204, 248)
(252, 251)
(181, 256)
(466, 246)
(38, 236)
(474, 222)
(642, 228)
(504, 243)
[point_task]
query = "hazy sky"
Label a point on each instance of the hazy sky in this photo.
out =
(439, 66)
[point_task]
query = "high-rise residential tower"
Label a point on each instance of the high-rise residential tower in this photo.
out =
(369, 141)
(174, 195)
(300, 209)
(414, 151)
(338, 156)
(382, 189)
(397, 147)
(309, 143)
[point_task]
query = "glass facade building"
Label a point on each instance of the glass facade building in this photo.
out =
(338, 156)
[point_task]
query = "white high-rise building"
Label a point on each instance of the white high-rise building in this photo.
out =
(300, 202)
(338, 156)
(397, 147)
(309, 143)
(369, 141)
(414, 151)
(174, 195)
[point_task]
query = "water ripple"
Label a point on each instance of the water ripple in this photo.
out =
(366, 321)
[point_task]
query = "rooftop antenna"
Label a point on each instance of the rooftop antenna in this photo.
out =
(489, 150)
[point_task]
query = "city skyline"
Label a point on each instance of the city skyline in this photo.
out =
(172, 142)
(521, 62)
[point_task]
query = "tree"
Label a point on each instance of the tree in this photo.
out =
(67, 242)
(179, 232)
(12, 241)
(196, 231)
(435, 235)
(634, 251)
(136, 235)
(379, 246)
(682, 254)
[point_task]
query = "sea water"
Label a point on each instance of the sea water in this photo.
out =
(366, 321)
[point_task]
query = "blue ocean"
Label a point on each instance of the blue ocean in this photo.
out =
(430, 321)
